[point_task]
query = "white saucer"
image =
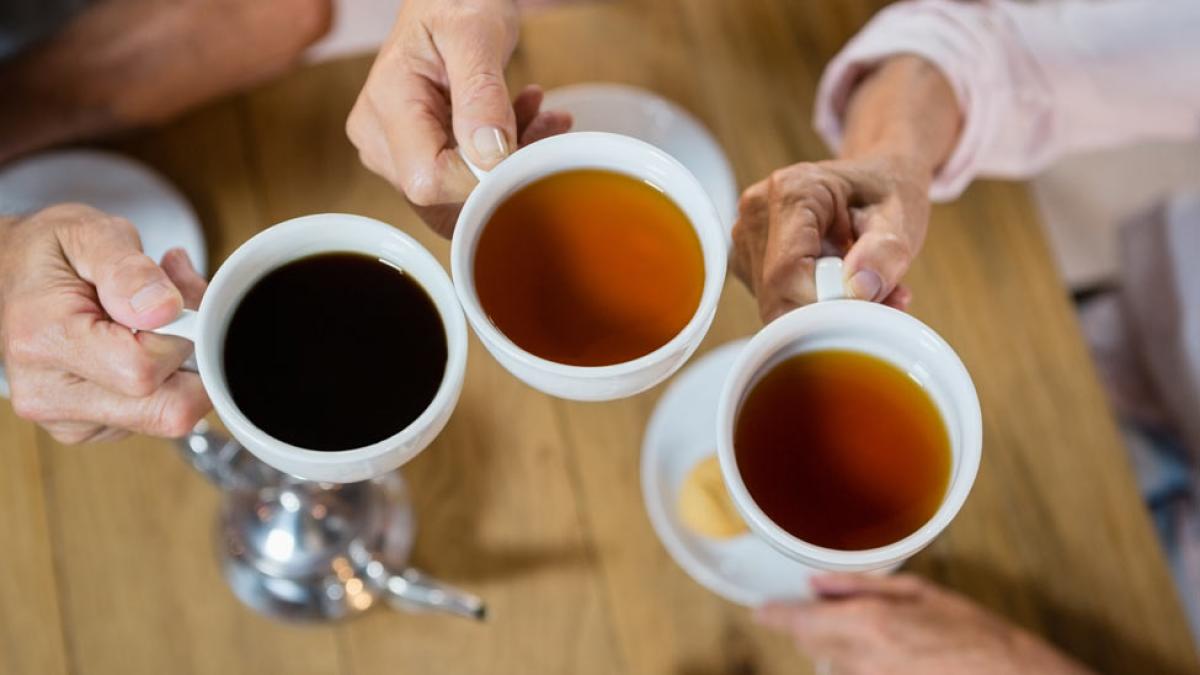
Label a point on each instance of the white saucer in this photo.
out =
(113, 184)
(622, 109)
(681, 432)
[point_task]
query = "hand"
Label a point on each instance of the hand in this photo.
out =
(73, 282)
(872, 211)
(438, 84)
(903, 624)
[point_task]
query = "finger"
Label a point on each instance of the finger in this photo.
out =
(117, 359)
(526, 105)
(777, 615)
(73, 433)
(830, 629)
(400, 125)
(804, 203)
(105, 251)
(50, 332)
(750, 235)
(441, 218)
(879, 258)
(183, 274)
(483, 119)
(900, 298)
(547, 123)
(171, 411)
(899, 586)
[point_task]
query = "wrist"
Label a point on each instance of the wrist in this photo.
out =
(904, 109)
(49, 112)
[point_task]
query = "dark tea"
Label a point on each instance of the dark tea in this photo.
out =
(335, 351)
(842, 450)
(589, 268)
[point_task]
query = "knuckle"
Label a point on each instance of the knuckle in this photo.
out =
(67, 211)
(25, 340)
(120, 224)
(794, 175)
(420, 187)
(26, 407)
(18, 348)
(29, 404)
(484, 87)
(177, 417)
(137, 376)
(782, 178)
(893, 245)
(753, 198)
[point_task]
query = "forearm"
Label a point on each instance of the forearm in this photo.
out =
(905, 108)
(126, 63)
(44, 108)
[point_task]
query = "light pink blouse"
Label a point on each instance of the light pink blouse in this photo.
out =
(1036, 80)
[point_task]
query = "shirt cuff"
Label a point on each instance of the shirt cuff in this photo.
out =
(932, 35)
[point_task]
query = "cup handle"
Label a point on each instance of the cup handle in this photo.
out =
(183, 326)
(831, 285)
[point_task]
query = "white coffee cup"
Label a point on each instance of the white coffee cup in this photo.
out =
(281, 244)
(835, 322)
(590, 150)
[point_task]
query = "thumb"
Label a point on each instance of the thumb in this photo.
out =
(484, 123)
(878, 259)
(105, 251)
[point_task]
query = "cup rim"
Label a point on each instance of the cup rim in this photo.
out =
(435, 283)
(778, 336)
(524, 165)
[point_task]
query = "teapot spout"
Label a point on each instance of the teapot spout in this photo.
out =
(414, 590)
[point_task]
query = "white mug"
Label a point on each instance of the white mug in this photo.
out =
(281, 244)
(834, 322)
(590, 150)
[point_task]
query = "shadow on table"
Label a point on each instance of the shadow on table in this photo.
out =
(1026, 602)
(454, 486)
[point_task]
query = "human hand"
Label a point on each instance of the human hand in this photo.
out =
(73, 282)
(437, 85)
(903, 624)
(873, 211)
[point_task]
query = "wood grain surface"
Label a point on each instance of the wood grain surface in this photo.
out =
(535, 503)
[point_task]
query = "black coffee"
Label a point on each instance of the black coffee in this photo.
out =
(335, 351)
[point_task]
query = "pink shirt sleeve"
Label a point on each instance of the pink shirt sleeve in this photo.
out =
(1036, 80)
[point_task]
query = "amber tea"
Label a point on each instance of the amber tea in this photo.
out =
(842, 450)
(589, 268)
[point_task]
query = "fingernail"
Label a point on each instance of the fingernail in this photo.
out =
(490, 144)
(152, 295)
(865, 285)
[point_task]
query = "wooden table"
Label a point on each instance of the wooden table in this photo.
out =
(534, 503)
